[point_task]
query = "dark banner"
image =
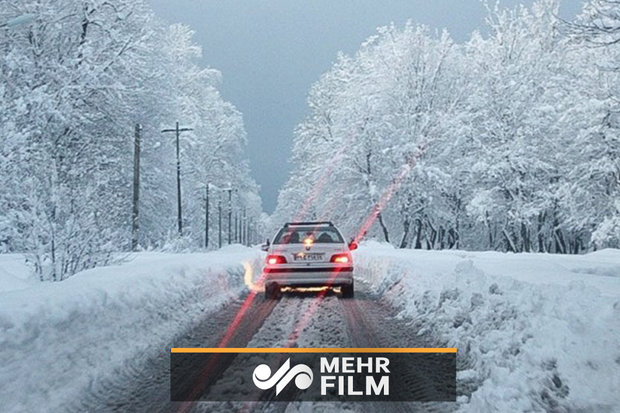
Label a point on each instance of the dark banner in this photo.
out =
(313, 375)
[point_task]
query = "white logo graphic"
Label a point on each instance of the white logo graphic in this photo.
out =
(301, 373)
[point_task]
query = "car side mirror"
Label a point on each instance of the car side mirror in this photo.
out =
(265, 246)
(353, 245)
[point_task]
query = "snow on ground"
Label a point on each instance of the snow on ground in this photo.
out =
(14, 273)
(534, 332)
(57, 339)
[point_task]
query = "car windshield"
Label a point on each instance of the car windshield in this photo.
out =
(319, 235)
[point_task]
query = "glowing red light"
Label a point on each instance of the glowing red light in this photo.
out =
(275, 259)
(341, 258)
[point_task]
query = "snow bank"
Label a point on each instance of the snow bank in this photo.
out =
(534, 332)
(57, 339)
(14, 273)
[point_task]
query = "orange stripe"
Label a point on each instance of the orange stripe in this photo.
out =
(309, 350)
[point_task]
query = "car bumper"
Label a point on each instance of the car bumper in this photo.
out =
(302, 277)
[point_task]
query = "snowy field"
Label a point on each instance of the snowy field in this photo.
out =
(57, 339)
(533, 331)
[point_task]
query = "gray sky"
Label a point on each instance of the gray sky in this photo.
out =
(271, 51)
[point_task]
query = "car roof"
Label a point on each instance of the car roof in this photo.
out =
(309, 223)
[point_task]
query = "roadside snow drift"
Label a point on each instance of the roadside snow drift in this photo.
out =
(57, 339)
(534, 332)
(14, 273)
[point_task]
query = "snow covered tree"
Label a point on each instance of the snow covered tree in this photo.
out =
(594, 186)
(74, 82)
(599, 23)
(508, 141)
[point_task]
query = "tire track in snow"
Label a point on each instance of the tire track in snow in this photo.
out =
(366, 321)
(373, 323)
(143, 384)
(282, 329)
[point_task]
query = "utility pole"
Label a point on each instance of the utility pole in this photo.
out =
(236, 226)
(244, 229)
(207, 217)
(178, 130)
(219, 210)
(229, 189)
(250, 223)
(135, 228)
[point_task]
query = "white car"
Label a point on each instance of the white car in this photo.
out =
(308, 254)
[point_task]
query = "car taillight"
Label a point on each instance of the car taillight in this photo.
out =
(341, 258)
(276, 259)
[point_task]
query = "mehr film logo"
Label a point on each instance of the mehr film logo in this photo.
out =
(313, 374)
(329, 368)
(264, 380)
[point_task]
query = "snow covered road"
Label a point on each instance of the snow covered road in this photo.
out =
(534, 332)
(297, 320)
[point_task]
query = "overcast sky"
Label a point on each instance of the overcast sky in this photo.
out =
(271, 51)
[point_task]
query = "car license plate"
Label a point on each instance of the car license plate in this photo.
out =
(309, 256)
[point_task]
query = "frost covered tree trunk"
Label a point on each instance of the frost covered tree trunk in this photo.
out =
(418, 234)
(406, 226)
